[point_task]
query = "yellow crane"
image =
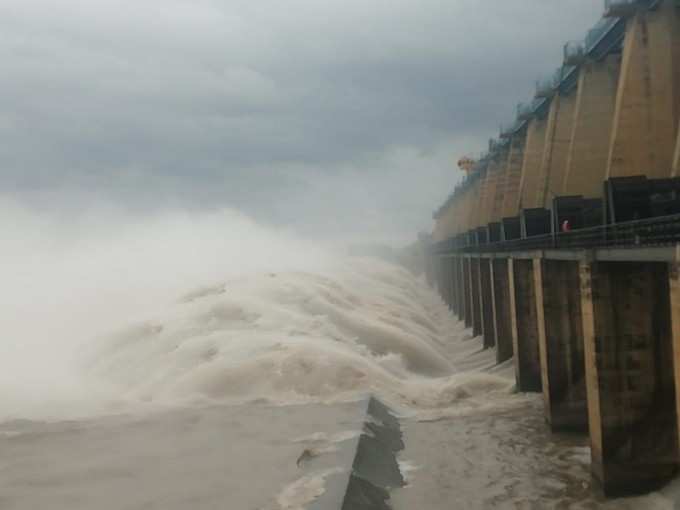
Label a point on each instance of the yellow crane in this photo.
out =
(466, 164)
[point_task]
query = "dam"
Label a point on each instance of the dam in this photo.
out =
(523, 356)
(561, 246)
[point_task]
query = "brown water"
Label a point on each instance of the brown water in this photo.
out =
(506, 459)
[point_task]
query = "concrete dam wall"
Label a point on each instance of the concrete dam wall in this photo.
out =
(562, 245)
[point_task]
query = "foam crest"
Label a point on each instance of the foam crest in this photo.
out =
(366, 327)
(102, 313)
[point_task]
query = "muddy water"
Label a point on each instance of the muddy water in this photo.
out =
(197, 322)
(506, 458)
(495, 459)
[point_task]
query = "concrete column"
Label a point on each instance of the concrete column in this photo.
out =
(513, 175)
(556, 149)
(531, 164)
(486, 303)
(674, 294)
(438, 275)
(460, 269)
(467, 282)
(593, 117)
(455, 299)
(630, 373)
(445, 281)
(449, 270)
(647, 102)
(524, 324)
(560, 336)
(501, 309)
(676, 157)
(445, 287)
(475, 297)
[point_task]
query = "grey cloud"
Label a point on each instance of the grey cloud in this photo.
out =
(286, 110)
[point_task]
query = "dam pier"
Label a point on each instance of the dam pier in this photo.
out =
(561, 247)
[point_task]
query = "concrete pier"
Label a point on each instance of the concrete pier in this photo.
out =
(560, 339)
(446, 282)
(676, 157)
(486, 303)
(460, 283)
(450, 284)
(467, 284)
(584, 292)
(630, 373)
(455, 298)
(475, 297)
(524, 325)
(501, 309)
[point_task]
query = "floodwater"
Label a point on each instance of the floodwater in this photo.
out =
(276, 323)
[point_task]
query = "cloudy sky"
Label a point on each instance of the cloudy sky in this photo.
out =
(325, 116)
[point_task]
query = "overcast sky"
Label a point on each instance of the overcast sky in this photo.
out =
(326, 116)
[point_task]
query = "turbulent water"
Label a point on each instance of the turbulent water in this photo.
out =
(106, 315)
(363, 326)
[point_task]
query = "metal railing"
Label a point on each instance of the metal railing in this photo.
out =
(652, 232)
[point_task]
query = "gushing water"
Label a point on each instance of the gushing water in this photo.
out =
(104, 313)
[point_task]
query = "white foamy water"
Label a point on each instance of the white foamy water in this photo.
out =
(102, 313)
(361, 326)
(364, 326)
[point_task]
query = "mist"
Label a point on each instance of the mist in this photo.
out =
(70, 279)
(155, 150)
